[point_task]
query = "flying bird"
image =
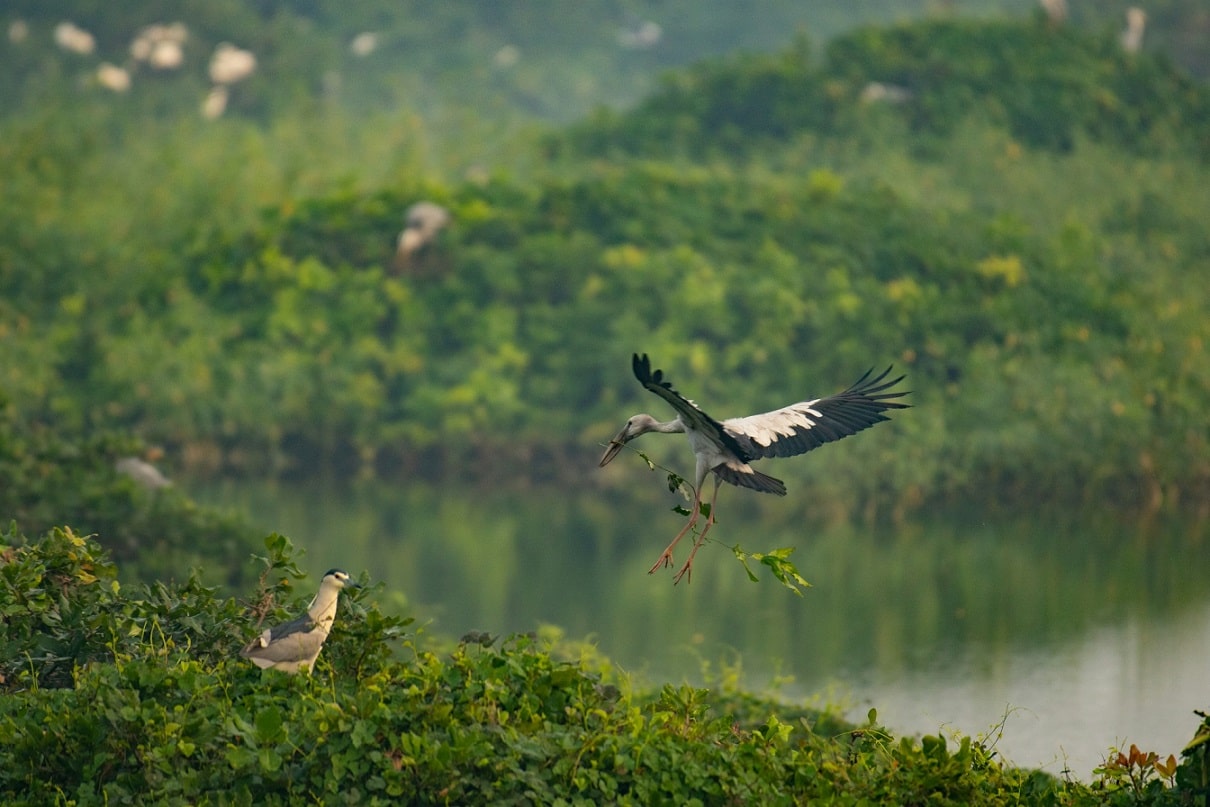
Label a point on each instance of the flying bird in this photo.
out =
(297, 643)
(729, 447)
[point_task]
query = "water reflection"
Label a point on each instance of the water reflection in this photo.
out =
(1094, 629)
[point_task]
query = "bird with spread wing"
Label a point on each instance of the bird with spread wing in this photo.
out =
(729, 447)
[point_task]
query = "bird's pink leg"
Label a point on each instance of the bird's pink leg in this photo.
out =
(686, 569)
(665, 558)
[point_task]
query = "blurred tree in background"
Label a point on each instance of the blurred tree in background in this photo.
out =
(1014, 218)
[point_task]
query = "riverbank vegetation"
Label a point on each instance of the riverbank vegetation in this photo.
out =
(136, 692)
(1020, 231)
(1010, 211)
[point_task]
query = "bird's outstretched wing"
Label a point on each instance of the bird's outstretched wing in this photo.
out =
(800, 427)
(691, 415)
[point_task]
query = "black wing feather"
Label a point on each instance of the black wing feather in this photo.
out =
(800, 427)
(690, 413)
(745, 476)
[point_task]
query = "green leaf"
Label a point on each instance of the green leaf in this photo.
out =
(777, 562)
(742, 556)
(269, 725)
(270, 760)
(646, 459)
(240, 757)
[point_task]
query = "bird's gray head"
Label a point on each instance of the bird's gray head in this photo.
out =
(338, 578)
(638, 424)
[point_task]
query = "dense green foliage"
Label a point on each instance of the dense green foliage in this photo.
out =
(270, 349)
(46, 478)
(118, 693)
(507, 61)
(1045, 86)
(1041, 286)
(1023, 235)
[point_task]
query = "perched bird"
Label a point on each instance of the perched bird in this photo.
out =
(727, 447)
(161, 45)
(1056, 11)
(142, 472)
(1136, 26)
(229, 64)
(364, 43)
(73, 38)
(113, 78)
(215, 103)
(421, 223)
(297, 643)
(880, 92)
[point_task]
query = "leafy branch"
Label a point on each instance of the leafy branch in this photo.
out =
(676, 482)
(778, 563)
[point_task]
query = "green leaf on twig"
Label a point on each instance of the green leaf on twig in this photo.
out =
(778, 562)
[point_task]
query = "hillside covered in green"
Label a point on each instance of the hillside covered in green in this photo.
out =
(1021, 232)
(1008, 209)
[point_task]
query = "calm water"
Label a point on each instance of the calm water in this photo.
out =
(1088, 631)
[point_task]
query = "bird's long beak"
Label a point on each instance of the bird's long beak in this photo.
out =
(615, 445)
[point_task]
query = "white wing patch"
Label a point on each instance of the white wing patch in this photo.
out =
(770, 427)
(800, 427)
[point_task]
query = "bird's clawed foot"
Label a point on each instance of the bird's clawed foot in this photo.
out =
(687, 570)
(665, 560)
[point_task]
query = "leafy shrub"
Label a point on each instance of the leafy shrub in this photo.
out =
(1040, 298)
(47, 478)
(1047, 86)
(151, 704)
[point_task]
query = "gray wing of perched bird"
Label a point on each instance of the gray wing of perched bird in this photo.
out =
(295, 641)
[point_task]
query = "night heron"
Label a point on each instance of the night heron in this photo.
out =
(297, 643)
(727, 447)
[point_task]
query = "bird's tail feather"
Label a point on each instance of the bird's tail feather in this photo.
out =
(744, 476)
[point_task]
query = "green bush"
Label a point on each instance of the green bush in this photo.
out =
(46, 477)
(1047, 86)
(1044, 299)
(137, 694)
